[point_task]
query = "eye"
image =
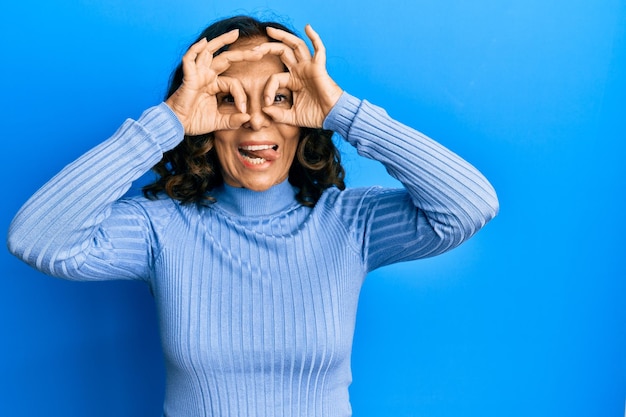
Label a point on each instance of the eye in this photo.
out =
(282, 98)
(226, 99)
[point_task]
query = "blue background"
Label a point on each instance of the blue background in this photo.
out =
(526, 319)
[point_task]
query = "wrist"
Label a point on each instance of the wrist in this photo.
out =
(175, 107)
(330, 100)
(342, 114)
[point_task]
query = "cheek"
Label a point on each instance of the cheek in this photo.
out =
(220, 143)
(291, 135)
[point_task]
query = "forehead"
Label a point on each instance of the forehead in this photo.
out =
(268, 65)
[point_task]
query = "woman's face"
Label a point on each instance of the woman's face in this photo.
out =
(259, 154)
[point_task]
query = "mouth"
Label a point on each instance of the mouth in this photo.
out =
(258, 154)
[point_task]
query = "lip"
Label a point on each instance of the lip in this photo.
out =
(256, 143)
(250, 165)
(258, 166)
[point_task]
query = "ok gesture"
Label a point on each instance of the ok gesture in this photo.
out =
(195, 102)
(314, 92)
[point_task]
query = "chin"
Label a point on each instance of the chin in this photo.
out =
(258, 187)
(258, 184)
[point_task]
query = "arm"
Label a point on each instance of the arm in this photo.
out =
(75, 227)
(58, 228)
(448, 200)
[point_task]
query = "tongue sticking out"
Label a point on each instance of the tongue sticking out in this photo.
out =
(269, 153)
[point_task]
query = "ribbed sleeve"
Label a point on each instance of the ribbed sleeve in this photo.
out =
(58, 226)
(450, 197)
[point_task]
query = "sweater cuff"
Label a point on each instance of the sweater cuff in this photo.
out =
(340, 117)
(163, 126)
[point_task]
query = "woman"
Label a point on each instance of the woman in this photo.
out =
(252, 248)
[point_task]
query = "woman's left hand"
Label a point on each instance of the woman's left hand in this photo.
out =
(314, 92)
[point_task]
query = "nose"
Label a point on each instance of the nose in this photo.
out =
(258, 119)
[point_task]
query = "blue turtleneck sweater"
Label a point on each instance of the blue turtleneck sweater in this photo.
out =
(256, 294)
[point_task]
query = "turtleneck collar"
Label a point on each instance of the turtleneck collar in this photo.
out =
(244, 202)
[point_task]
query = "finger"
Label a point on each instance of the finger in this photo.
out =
(285, 53)
(279, 115)
(235, 89)
(204, 58)
(205, 54)
(205, 46)
(189, 59)
(274, 82)
(224, 60)
(197, 47)
(219, 42)
(234, 121)
(299, 47)
(318, 46)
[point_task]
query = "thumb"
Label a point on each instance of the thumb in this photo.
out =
(278, 115)
(236, 120)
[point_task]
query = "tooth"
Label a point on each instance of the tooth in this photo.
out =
(255, 161)
(256, 147)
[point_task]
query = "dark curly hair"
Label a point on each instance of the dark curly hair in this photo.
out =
(192, 168)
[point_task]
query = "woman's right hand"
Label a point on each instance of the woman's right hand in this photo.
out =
(195, 102)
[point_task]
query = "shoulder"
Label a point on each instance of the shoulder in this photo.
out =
(161, 202)
(334, 195)
(157, 212)
(358, 201)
